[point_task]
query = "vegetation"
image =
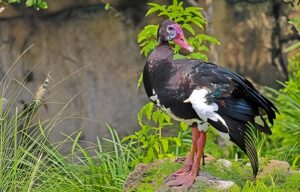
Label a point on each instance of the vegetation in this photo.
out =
(37, 4)
(277, 180)
(29, 163)
(284, 143)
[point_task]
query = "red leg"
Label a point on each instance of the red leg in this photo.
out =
(200, 147)
(187, 179)
(189, 161)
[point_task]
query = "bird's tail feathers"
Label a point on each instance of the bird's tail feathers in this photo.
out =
(243, 135)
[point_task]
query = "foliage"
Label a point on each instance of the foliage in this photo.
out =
(37, 4)
(190, 19)
(284, 142)
(149, 139)
(239, 173)
(29, 163)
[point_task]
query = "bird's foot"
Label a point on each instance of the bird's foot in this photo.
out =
(183, 180)
(187, 166)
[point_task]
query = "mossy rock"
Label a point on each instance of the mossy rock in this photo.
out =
(149, 177)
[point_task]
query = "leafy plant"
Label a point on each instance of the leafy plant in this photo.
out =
(284, 142)
(37, 4)
(149, 139)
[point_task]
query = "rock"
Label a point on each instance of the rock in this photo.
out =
(104, 52)
(274, 165)
(212, 182)
(209, 158)
(204, 179)
(224, 163)
(135, 176)
(248, 42)
(142, 173)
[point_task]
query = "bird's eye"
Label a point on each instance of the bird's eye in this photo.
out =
(169, 29)
(172, 32)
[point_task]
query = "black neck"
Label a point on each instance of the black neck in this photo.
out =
(162, 52)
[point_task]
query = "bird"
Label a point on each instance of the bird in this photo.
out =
(200, 94)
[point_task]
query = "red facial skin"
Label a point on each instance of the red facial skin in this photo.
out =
(180, 39)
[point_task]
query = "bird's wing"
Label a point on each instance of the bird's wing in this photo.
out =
(230, 104)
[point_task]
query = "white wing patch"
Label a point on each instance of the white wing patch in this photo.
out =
(154, 98)
(204, 111)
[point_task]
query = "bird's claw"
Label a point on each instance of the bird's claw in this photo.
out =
(183, 180)
(188, 163)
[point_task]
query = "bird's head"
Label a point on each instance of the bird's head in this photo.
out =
(171, 31)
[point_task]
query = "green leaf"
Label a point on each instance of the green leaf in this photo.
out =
(14, 1)
(140, 81)
(107, 6)
(145, 144)
(156, 146)
(129, 138)
(177, 141)
(189, 28)
(195, 10)
(165, 13)
(208, 38)
(199, 20)
(152, 10)
(148, 110)
(150, 154)
(175, 3)
(43, 5)
(203, 48)
(183, 126)
(197, 23)
(295, 22)
(165, 144)
(197, 56)
(156, 115)
(154, 4)
(178, 56)
(293, 47)
(164, 120)
(29, 3)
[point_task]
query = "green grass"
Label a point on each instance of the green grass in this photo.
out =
(28, 162)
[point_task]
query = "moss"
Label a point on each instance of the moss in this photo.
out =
(238, 173)
(155, 175)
